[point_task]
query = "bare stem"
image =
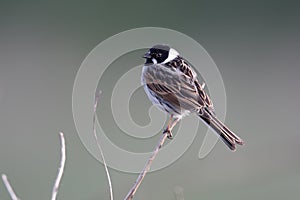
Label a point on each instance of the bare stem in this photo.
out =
(9, 188)
(99, 146)
(178, 192)
(61, 167)
(140, 178)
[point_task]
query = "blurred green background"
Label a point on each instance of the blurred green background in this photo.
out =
(255, 44)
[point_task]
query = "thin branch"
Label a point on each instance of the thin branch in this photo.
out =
(99, 146)
(9, 188)
(178, 192)
(140, 178)
(61, 167)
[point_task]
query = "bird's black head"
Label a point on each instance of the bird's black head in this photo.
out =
(160, 54)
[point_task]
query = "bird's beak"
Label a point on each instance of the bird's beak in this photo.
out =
(147, 55)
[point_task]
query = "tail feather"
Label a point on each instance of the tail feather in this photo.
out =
(236, 138)
(227, 136)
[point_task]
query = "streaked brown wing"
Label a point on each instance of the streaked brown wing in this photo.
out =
(188, 73)
(174, 88)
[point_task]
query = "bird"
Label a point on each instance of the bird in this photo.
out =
(171, 84)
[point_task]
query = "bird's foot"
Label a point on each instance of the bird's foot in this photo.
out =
(169, 133)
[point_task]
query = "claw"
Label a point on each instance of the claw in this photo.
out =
(169, 134)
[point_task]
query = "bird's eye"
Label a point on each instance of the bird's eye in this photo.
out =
(159, 54)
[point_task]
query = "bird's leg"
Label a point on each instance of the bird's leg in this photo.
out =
(171, 123)
(167, 130)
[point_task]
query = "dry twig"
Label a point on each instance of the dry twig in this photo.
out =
(146, 168)
(9, 188)
(99, 146)
(61, 167)
(178, 192)
(57, 180)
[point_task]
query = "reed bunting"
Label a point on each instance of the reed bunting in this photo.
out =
(171, 84)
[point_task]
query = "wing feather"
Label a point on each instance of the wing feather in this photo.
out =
(176, 84)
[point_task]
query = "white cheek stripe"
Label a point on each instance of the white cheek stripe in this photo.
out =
(154, 61)
(172, 54)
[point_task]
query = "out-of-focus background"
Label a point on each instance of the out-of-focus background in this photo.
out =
(255, 44)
